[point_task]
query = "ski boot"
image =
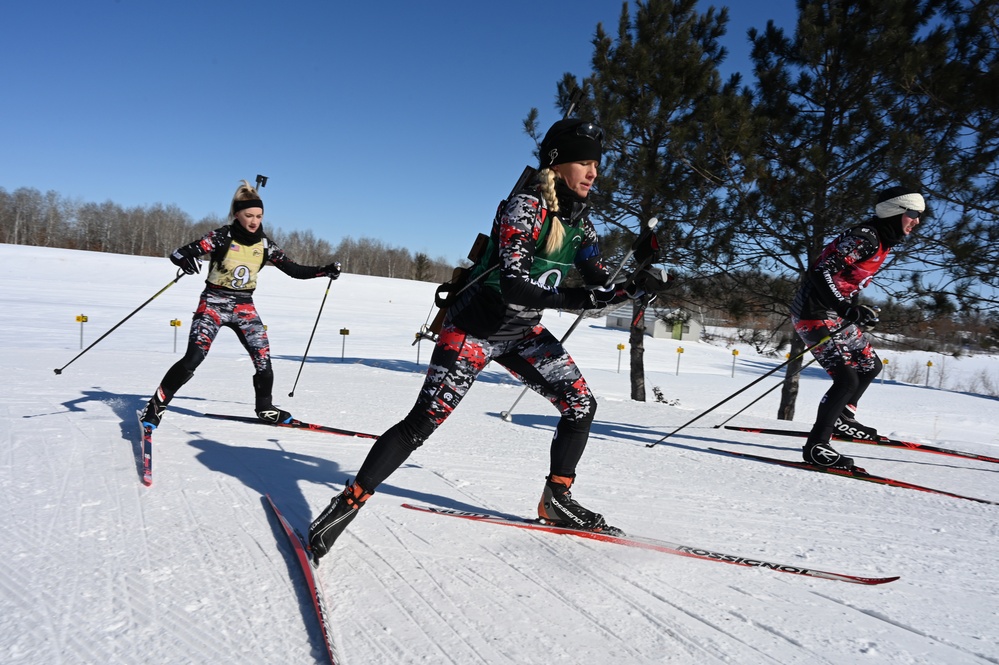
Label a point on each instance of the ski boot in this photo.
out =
(274, 415)
(848, 426)
(558, 508)
(326, 528)
(154, 411)
(822, 454)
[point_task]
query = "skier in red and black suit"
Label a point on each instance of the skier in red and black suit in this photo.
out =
(237, 252)
(537, 236)
(827, 302)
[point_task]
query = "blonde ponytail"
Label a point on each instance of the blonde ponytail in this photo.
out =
(556, 233)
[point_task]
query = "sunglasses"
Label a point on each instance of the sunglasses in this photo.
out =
(590, 131)
(912, 214)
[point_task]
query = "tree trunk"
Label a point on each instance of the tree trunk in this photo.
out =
(789, 392)
(637, 341)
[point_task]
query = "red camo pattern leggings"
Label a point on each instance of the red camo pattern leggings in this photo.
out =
(848, 358)
(539, 360)
(215, 311)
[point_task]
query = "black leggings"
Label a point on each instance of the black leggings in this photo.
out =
(538, 359)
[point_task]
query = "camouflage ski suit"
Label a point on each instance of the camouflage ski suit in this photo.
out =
(227, 302)
(499, 318)
(832, 284)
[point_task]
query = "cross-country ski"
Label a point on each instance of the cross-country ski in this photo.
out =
(883, 441)
(294, 424)
(146, 450)
(641, 542)
(856, 472)
(315, 589)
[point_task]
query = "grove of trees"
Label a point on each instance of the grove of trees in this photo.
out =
(755, 179)
(28, 217)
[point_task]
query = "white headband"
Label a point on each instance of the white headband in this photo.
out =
(900, 204)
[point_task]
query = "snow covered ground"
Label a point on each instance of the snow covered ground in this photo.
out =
(96, 568)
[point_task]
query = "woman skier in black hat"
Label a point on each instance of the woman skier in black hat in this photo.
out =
(537, 236)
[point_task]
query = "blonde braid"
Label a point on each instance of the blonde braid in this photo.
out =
(557, 232)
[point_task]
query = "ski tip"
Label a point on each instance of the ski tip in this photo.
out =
(870, 581)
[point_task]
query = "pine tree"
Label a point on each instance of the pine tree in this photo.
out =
(670, 129)
(958, 87)
(423, 268)
(838, 128)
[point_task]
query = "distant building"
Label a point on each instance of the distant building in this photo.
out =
(680, 329)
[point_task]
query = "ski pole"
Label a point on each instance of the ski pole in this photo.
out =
(321, 305)
(775, 387)
(180, 273)
(649, 228)
(749, 385)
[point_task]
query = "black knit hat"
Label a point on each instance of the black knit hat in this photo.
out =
(571, 140)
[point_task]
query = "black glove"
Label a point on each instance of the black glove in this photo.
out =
(332, 270)
(862, 315)
(611, 294)
(189, 264)
(643, 284)
(649, 280)
(621, 289)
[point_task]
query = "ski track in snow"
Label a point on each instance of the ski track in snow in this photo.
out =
(96, 568)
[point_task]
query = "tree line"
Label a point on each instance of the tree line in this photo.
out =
(29, 217)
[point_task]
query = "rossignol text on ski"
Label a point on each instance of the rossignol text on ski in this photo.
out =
(652, 544)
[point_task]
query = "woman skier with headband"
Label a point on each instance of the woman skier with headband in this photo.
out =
(237, 252)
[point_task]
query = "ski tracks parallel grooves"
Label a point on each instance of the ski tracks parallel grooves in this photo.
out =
(30, 584)
(910, 629)
(526, 573)
(156, 631)
(602, 560)
(176, 630)
(248, 641)
(443, 654)
(688, 601)
(164, 629)
(66, 527)
(596, 575)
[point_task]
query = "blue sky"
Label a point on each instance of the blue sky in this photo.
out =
(393, 120)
